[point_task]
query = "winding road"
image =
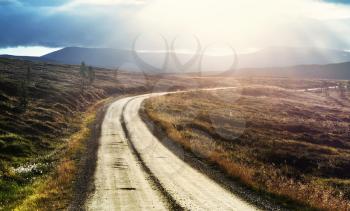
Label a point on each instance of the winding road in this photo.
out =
(135, 171)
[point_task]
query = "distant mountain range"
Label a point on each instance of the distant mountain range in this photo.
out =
(30, 58)
(284, 56)
(269, 57)
(339, 71)
(282, 61)
(101, 57)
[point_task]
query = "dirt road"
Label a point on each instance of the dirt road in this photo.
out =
(136, 172)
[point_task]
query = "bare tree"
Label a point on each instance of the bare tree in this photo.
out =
(23, 96)
(83, 70)
(91, 75)
(28, 74)
(325, 88)
(2, 70)
(23, 89)
(341, 90)
(115, 73)
(43, 67)
(83, 76)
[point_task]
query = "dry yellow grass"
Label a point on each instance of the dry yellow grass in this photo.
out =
(35, 136)
(55, 191)
(294, 144)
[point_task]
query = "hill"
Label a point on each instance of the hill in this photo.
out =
(27, 58)
(276, 61)
(40, 111)
(286, 56)
(100, 57)
(268, 57)
(339, 71)
(285, 144)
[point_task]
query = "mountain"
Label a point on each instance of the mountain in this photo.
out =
(110, 58)
(101, 57)
(285, 56)
(28, 58)
(282, 61)
(268, 57)
(329, 71)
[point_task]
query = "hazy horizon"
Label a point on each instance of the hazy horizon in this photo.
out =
(38, 51)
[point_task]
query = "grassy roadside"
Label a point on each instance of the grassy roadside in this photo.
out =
(41, 106)
(34, 137)
(37, 122)
(55, 191)
(293, 145)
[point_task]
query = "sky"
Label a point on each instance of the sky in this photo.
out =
(36, 27)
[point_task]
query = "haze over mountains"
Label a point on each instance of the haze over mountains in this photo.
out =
(339, 71)
(281, 61)
(269, 57)
(284, 56)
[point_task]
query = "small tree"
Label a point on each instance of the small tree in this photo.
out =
(23, 96)
(325, 88)
(348, 85)
(83, 76)
(2, 70)
(91, 75)
(83, 70)
(341, 89)
(115, 73)
(23, 90)
(28, 75)
(43, 67)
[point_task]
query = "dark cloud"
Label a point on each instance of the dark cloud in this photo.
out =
(4, 3)
(339, 1)
(34, 24)
(43, 2)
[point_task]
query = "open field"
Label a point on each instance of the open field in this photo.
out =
(40, 109)
(292, 144)
(149, 105)
(44, 118)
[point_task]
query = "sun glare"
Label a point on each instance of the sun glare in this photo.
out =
(245, 24)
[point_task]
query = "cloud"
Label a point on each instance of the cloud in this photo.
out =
(339, 1)
(40, 3)
(32, 23)
(74, 5)
(4, 3)
(113, 23)
(250, 23)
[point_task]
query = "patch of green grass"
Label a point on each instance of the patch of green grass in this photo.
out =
(11, 191)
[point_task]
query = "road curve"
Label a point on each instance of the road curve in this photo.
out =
(121, 182)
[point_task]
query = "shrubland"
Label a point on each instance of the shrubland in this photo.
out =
(290, 143)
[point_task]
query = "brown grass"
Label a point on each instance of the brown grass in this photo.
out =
(293, 144)
(56, 191)
(38, 135)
